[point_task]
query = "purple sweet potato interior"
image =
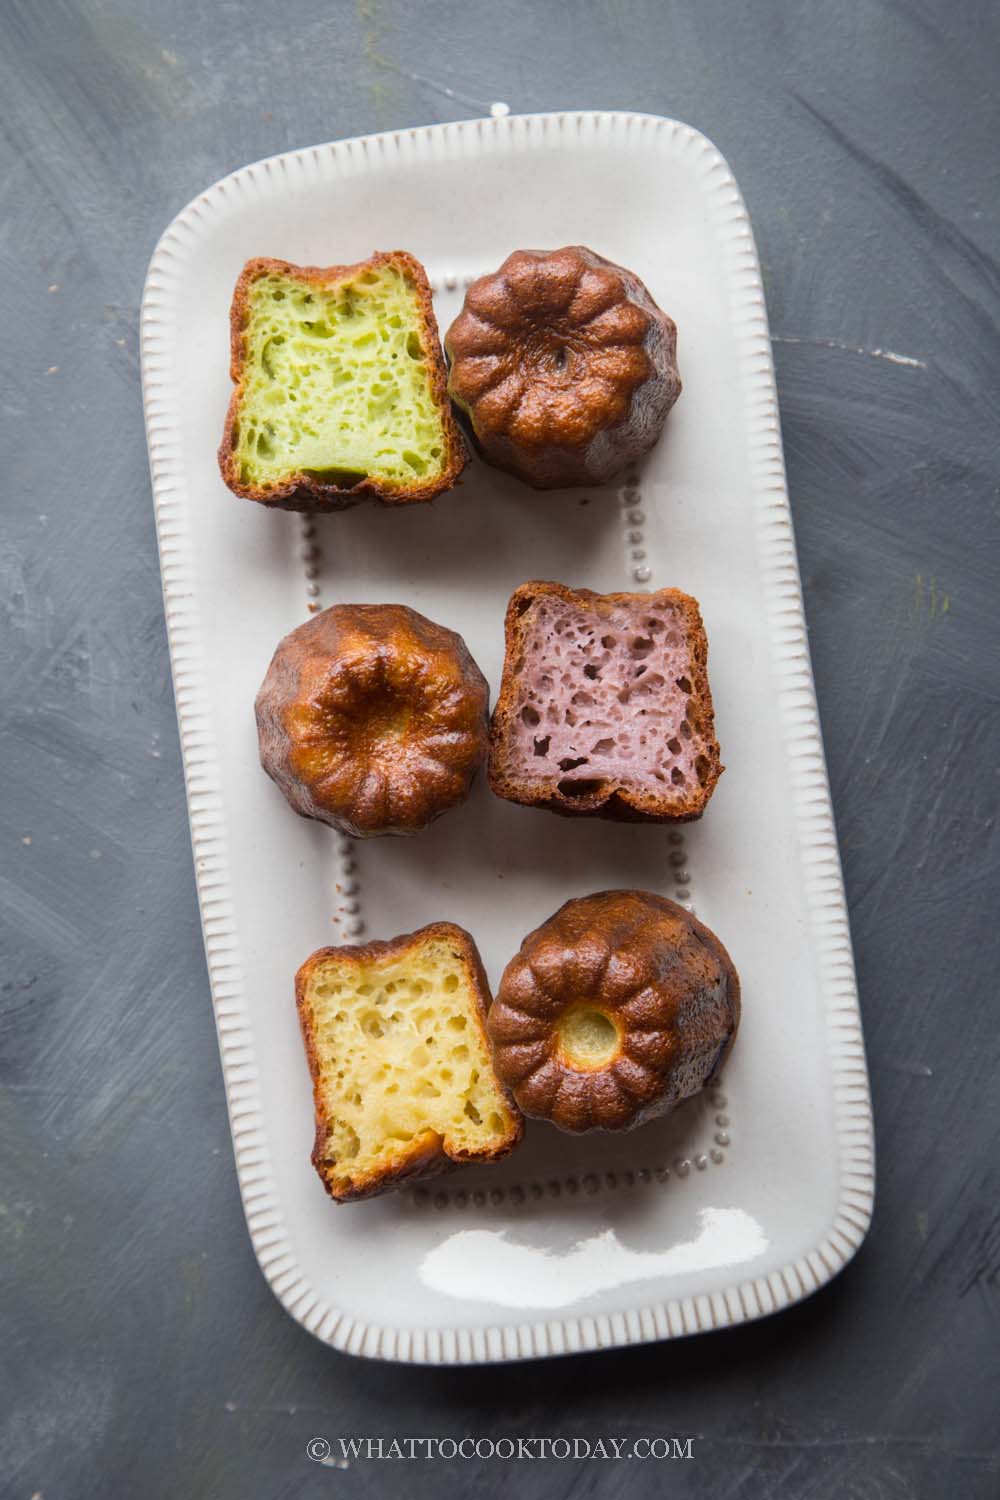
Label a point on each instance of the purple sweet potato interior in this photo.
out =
(604, 697)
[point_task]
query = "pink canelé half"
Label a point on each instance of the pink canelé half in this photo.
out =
(607, 697)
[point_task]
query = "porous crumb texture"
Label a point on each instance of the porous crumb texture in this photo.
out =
(403, 1077)
(338, 380)
(607, 695)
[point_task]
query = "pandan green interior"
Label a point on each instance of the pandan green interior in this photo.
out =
(336, 383)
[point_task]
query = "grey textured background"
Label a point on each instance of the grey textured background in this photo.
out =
(144, 1354)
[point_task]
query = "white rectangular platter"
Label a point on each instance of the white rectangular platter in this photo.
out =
(747, 1199)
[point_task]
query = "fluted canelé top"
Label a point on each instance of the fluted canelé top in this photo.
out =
(563, 365)
(616, 1009)
(372, 718)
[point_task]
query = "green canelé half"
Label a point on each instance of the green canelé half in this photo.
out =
(337, 383)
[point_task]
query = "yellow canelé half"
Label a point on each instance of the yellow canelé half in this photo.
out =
(403, 1077)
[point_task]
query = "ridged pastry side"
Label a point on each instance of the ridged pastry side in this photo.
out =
(373, 719)
(614, 1011)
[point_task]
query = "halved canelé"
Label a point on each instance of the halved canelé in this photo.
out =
(605, 707)
(340, 387)
(403, 1079)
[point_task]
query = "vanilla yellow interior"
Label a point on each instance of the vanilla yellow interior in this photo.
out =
(587, 1038)
(336, 383)
(400, 1054)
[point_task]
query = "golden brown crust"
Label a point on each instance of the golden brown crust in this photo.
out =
(426, 1156)
(373, 719)
(305, 492)
(610, 798)
(649, 967)
(563, 366)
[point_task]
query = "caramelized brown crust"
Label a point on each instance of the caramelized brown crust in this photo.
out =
(610, 798)
(649, 967)
(563, 366)
(373, 719)
(426, 1156)
(305, 492)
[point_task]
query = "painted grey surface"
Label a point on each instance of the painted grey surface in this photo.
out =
(144, 1354)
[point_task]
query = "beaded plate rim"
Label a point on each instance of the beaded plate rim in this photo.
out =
(744, 1300)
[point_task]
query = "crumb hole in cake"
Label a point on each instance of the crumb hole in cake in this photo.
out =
(570, 788)
(542, 745)
(603, 747)
(473, 1113)
(530, 716)
(570, 764)
(701, 766)
(607, 641)
(642, 645)
(349, 1142)
(587, 1038)
(674, 746)
(684, 684)
(591, 671)
(677, 776)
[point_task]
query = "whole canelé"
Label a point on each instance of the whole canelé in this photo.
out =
(614, 1011)
(373, 719)
(563, 366)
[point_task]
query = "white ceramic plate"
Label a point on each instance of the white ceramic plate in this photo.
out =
(746, 1200)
